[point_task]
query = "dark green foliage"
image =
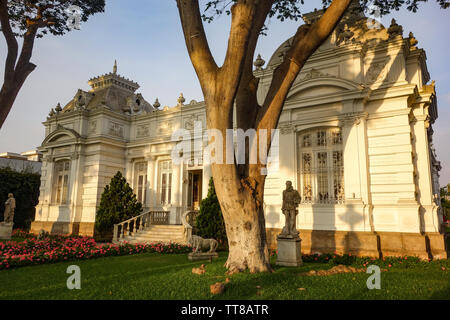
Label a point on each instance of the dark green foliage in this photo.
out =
(209, 221)
(118, 203)
(291, 9)
(55, 12)
(446, 208)
(25, 187)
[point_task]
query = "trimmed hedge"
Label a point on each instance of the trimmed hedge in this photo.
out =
(118, 203)
(209, 221)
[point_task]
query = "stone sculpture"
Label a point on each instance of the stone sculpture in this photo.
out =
(8, 218)
(288, 241)
(199, 245)
(291, 200)
(10, 205)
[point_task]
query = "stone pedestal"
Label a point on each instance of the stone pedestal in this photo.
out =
(193, 256)
(289, 252)
(6, 230)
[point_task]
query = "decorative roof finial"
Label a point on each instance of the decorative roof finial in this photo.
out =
(181, 99)
(156, 104)
(395, 29)
(412, 40)
(259, 62)
(58, 108)
(115, 67)
(51, 114)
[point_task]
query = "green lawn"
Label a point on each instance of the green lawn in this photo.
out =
(156, 276)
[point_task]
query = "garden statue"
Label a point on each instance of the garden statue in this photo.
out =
(199, 245)
(291, 200)
(42, 234)
(10, 205)
(288, 241)
(8, 218)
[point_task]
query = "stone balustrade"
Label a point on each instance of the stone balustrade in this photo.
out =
(139, 223)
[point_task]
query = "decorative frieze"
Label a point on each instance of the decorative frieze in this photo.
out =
(142, 131)
(116, 129)
(93, 126)
(352, 118)
(376, 72)
(287, 129)
(165, 127)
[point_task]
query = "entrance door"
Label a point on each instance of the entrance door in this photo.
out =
(195, 189)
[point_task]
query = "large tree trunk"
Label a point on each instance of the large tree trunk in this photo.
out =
(243, 213)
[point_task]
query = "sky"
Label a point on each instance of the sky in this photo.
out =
(145, 37)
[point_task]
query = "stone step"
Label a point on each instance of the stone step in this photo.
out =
(157, 238)
(152, 240)
(158, 233)
(146, 241)
(161, 231)
(164, 228)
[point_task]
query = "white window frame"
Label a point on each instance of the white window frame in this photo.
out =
(321, 166)
(141, 181)
(165, 182)
(61, 182)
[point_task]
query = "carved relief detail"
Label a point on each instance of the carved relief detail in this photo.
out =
(376, 72)
(142, 131)
(115, 129)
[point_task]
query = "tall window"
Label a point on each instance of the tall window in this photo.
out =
(165, 182)
(61, 182)
(141, 181)
(321, 166)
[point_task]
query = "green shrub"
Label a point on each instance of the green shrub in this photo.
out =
(25, 187)
(118, 203)
(209, 221)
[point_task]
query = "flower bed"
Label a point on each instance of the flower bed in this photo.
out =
(62, 248)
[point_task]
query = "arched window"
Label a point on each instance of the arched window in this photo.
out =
(61, 182)
(141, 181)
(321, 166)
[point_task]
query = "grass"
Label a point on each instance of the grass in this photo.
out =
(156, 276)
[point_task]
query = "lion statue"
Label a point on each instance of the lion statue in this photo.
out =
(42, 235)
(199, 244)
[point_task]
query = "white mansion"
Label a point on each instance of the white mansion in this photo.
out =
(355, 140)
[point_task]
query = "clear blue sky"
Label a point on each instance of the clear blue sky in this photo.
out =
(146, 39)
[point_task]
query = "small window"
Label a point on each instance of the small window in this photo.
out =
(165, 182)
(141, 181)
(61, 182)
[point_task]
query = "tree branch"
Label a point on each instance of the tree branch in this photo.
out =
(27, 50)
(246, 101)
(242, 22)
(305, 43)
(196, 42)
(13, 47)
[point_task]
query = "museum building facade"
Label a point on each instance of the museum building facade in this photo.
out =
(355, 139)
